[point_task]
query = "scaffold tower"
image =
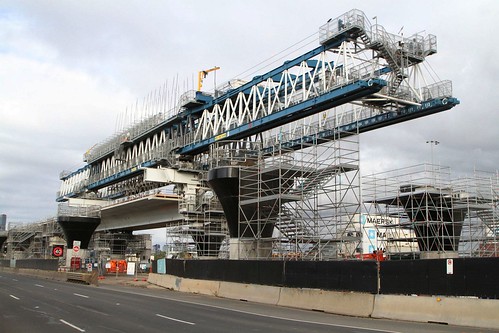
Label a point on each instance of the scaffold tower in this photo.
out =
(448, 218)
(290, 203)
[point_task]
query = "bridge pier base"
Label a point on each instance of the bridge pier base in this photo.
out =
(249, 248)
(78, 228)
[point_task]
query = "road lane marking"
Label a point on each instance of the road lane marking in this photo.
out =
(71, 325)
(264, 315)
(170, 318)
(80, 295)
(93, 311)
(14, 297)
(39, 285)
(15, 280)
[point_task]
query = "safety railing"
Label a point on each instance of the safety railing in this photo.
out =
(353, 19)
(65, 209)
(440, 89)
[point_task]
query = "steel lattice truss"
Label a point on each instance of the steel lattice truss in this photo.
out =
(359, 78)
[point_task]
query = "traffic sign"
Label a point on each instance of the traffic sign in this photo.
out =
(58, 251)
(76, 245)
(450, 266)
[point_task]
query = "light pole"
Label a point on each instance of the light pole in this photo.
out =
(432, 143)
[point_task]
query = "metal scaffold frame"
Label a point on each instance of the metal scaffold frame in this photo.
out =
(204, 225)
(33, 240)
(296, 203)
(480, 194)
(446, 217)
(120, 245)
(192, 240)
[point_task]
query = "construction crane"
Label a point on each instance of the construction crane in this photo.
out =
(87, 153)
(202, 75)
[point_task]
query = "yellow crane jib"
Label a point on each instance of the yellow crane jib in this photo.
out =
(202, 75)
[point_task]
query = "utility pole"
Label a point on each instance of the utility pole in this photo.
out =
(432, 143)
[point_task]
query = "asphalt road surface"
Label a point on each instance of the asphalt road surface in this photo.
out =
(33, 305)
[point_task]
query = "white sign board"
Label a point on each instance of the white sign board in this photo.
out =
(130, 268)
(76, 246)
(450, 266)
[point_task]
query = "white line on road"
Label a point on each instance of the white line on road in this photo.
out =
(39, 285)
(71, 325)
(180, 321)
(80, 295)
(15, 280)
(14, 297)
(266, 316)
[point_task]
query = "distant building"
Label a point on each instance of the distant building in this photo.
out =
(3, 222)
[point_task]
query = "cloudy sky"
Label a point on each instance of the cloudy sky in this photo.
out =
(69, 68)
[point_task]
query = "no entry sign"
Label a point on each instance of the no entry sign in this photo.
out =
(76, 246)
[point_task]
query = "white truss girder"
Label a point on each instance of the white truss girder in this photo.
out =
(294, 85)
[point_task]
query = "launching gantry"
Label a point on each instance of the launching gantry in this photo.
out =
(359, 78)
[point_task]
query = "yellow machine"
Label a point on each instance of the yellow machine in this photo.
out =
(202, 75)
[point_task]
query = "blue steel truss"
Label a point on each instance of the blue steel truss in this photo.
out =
(181, 127)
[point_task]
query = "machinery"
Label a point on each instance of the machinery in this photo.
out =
(267, 166)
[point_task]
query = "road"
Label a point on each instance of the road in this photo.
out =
(33, 305)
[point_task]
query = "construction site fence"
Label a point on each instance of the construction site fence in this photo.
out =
(327, 275)
(42, 264)
(469, 277)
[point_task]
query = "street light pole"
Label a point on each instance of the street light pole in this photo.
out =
(432, 143)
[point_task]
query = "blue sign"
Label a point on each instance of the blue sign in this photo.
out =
(162, 266)
(371, 234)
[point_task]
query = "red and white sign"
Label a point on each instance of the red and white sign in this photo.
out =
(76, 246)
(450, 266)
(58, 251)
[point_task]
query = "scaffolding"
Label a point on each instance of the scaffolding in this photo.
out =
(447, 218)
(480, 194)
(189, 240)
(119, 245)
(33, 240)
(203, 230)
(296, 203)
(384, 236)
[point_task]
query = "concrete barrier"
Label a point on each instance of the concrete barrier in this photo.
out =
(165, 280)
(250, 292)
(451, 310)
(204, 287)
(473, 312)
(87, 278)
(344, 303)
(49, 275)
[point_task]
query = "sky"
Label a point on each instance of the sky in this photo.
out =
(70, 69)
